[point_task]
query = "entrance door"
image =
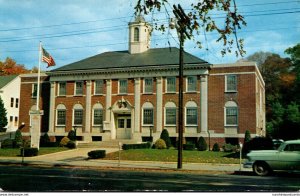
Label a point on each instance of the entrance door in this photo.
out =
(124, 127)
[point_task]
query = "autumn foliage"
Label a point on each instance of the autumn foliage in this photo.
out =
(10, 67)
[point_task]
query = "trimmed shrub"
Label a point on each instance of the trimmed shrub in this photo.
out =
(230, 148)
(165, 136)
(188, 146)
(216, 147)
(18, 139)
(64, 141)
(71, 144)
(45, 140)
(72, 135)
(247, 136)
(258, 143)
(8, 143)
(202, 145)
(29, 152)
(136, 146)
(160, 144)
(96, 154)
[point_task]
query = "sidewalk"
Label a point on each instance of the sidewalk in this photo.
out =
(79, 158)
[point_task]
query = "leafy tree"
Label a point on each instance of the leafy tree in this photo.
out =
(259, 57)
(200, 19)
(10, 67)
(3, 118)
(165, 136)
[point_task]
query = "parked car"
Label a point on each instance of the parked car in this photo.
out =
(277, 143)
(286, 157)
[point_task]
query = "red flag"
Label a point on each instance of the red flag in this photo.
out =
(47, 58)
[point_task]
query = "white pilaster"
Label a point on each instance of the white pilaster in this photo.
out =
(137, 104)
(52, 108)
(88, 107)
(203, 101)
(108, 101)
(159, 103)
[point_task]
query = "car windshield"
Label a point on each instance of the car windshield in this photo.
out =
(281, 147)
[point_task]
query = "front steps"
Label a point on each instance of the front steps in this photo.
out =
(105, 144)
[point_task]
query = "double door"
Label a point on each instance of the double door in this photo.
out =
(124, 127)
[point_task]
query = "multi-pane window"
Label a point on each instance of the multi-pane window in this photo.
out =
(11, 118)
(62, 86)
(231, 83)
(98, 87)
(78, 116)
(191, 116)
(148, 85)
(12, 102)
(136, 34)
(170, 116)
(123, 86)
(191, 84)
(34, 90)
(98, 117)
(16, 121)
(61, 117)
(79, 88)
(171, 84)
(231, 116)
(17, 102)
(148, 116)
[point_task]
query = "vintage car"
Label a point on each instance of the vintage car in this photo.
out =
(286, 157)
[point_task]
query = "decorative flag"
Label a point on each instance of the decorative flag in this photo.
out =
(47, 58)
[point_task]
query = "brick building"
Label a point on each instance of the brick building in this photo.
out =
(134, 94)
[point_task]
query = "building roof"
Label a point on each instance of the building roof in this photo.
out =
(4, 80)
(123, 59)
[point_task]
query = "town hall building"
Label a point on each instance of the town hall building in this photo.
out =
(132, 95)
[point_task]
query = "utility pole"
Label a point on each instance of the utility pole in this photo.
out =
(183, 22)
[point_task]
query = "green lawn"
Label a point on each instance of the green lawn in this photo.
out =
(13, 152)
(171, 156)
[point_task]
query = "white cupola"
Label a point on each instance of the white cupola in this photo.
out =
(139, 35)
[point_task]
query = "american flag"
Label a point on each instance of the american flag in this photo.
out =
(47, 58)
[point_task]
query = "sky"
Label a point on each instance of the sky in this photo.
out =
(71, 30)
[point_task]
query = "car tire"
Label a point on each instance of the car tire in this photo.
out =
(261, 169)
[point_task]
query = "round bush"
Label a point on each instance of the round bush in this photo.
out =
(64, 141)
(45, 140)
(202, 145)
(216, 147)
(160, 144)
(165, 136)
(72, 135)
(71, 144)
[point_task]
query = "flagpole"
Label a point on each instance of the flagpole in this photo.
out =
(39, 75)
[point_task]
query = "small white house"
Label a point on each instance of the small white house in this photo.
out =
(10, 95)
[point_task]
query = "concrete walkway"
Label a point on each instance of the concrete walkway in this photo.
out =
(79, 158)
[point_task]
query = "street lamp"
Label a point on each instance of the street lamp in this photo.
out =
(181, 23)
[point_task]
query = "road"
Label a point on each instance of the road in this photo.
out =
(48, 179)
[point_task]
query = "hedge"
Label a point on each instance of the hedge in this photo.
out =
(8, 143)
(188, 146)
(96, 154)
(29, 152)
(136, 146)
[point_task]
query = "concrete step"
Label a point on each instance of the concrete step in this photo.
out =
(105, 144)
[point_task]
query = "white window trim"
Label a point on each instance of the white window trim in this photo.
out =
(96, 86)
(228, 105)
(165, 117)
(75, 87)
(166, 90)
(58, 92)
(186, 84)
(56, 118)
(236, 85)
(144, 86)
(97, 106)
(185, 120)
(79, 106)
(120, 89)
(145, 125)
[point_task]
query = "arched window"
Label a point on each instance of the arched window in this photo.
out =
(77, 115)
(191, 113)
(148, 114)
(136, 34)
(61, 115)
(97, 114)
(170, 114)
(231, 113)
